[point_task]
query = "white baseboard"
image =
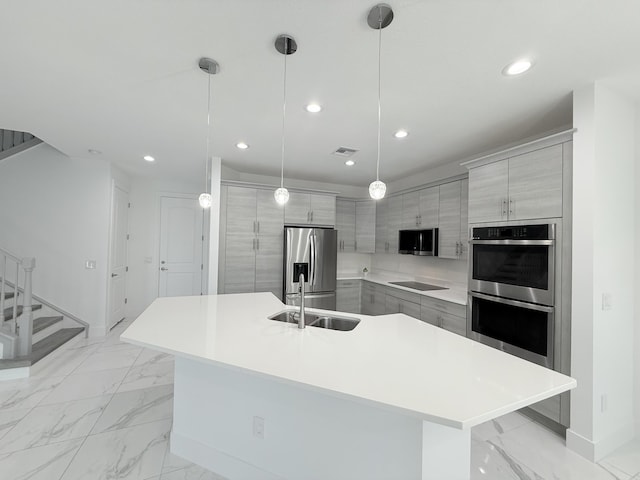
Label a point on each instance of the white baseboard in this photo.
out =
(14, 373)
(215, 460)
(596, 451)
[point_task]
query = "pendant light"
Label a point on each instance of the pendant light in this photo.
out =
(210, 67)
(379, 17)
(285, 45)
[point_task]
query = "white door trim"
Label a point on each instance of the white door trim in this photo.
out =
(114, 184)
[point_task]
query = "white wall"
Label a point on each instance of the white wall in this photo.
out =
(602, 412)
(454, 271)
(56, 209)
(353, 263)
(144, 242)
(349, 191)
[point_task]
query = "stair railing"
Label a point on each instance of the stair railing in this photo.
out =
(23, 328)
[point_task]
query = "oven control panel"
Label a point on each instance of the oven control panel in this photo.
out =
(516, 232)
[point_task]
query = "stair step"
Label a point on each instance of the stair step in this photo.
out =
(41, 323)
(47, 345)
(8, 312)
(8, 295)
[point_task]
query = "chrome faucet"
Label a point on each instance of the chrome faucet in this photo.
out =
(301, 290)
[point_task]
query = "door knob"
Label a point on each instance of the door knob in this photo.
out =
(163, 262)
(164, 269)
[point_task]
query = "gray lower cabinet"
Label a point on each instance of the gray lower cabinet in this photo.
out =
(399, 301)
(447, 315)
(373, 299)
(348, 293)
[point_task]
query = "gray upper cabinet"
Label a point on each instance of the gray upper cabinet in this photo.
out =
(410, 210)
(381, 226)
(429, 207)
(310, 209)
(346, 225)
(453, 220)
(420, 208)
(365, 226)
(394, 217)
(388, 223)
(251, 247)
(356, 225)
(522, 187)
(535, 184)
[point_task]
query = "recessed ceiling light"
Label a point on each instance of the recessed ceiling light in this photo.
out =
(401, 134)
(149, 158)
(349, 163)
(517, 67)
(313, 108)
(93, 151)
(242, 145)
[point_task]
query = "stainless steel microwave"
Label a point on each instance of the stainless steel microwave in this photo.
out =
(418, 242)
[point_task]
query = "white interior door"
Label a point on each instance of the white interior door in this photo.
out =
(118, 255)
(180, 247)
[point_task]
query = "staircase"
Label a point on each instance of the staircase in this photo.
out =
(12, 142)
(29, 332)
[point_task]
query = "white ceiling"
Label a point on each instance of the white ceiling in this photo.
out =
(121, 76)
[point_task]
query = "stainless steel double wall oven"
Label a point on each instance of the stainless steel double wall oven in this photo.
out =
(511, 290)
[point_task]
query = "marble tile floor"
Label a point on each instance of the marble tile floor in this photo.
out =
(100, 409)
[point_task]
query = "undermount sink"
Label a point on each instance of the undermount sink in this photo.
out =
(331, 322)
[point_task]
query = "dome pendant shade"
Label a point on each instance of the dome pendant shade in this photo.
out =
(281, 195)
(205, 200)
(377, 189)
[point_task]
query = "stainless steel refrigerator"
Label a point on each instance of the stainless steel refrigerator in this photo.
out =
(313, 252)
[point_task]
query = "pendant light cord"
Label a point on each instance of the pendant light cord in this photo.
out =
(284, 108)
(206, 160)
(379, 87)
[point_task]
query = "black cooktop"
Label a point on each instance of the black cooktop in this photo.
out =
(418, 286)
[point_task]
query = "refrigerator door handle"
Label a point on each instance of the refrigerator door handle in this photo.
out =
(312, 260)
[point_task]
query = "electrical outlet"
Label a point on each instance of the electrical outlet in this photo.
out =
(258, 427)
(90, 264)
(607, 301)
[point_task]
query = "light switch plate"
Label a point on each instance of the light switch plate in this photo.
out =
(90, 264)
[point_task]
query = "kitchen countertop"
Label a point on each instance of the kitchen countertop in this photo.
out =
(454, 293)
(390, 361)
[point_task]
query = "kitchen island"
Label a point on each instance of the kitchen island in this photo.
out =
(395, 398)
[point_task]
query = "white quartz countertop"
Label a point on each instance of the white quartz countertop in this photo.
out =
(390, 361)
(454, 293)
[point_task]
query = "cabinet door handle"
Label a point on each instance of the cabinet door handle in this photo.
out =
(258, 226)
(312, 215)
(257, 244)
(504, 207)
(253, 244)
(355, 245)
(510, 207)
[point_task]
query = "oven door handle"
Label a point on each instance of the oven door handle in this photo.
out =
(512, 242)
(515, 303)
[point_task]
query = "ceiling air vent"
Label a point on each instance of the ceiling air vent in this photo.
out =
(345, 151)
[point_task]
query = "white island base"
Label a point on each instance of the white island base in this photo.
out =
(395, 398)
(307, 435)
